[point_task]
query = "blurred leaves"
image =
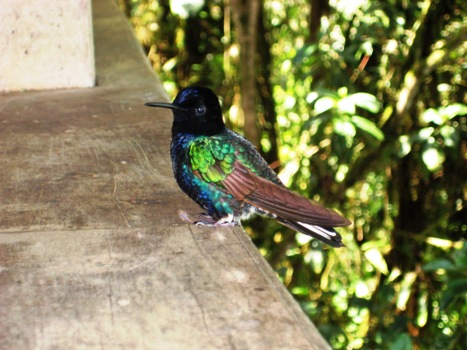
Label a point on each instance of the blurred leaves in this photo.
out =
(454, 271)
(374, 256)
(402, 342)
(368, 126)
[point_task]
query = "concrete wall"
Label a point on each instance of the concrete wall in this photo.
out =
(46, 44)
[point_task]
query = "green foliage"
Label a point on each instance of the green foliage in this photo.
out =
(371, 119)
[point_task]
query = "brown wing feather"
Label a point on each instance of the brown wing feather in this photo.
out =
(246, 186)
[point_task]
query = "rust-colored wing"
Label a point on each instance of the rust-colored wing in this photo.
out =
(274, 199)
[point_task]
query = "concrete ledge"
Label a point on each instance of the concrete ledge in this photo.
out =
(92, 251)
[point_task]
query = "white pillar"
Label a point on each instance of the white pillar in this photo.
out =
(46, 44)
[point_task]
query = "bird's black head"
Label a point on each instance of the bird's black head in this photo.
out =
(196, 111)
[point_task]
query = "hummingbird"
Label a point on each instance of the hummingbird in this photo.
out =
(225, 175)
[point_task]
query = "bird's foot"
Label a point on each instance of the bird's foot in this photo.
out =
(227, 221)
(209, 221)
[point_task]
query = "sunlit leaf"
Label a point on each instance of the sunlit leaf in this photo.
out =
(405, 146)
(302, 239)
(433, 158)
(368, 126)
(300, 291)
(311, 97)
(289, 102)
(316, 259)
(450, 135)
(455, 109)
(425, 133)
(341, 172)
(342, 92)
(170, 64)
(443, 114)
(346, 106)
(376, 259)
(440, 243)
(406, 289)
(432, 115)
(395, 273)
(362, 290)
(342, 126)
(186, 8)
(367, 47)
(324, 104)
(422, 316)
(443, 87)
(289, 171)
(365, 101)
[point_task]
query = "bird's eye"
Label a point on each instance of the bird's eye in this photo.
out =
(200, 111)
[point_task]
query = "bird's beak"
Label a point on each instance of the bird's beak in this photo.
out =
(164, 105)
